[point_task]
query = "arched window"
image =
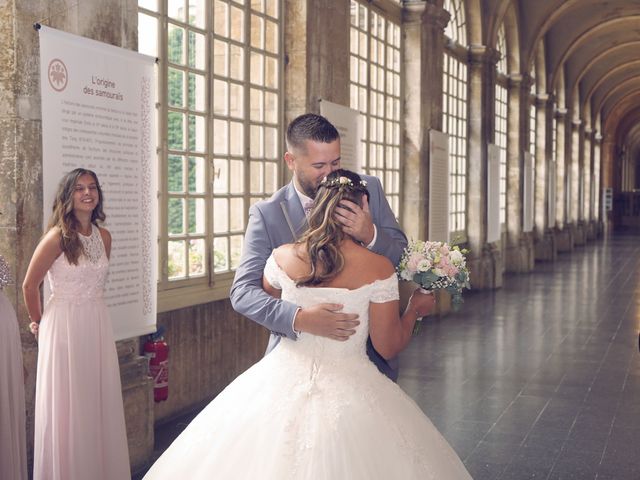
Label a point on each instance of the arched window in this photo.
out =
(455, 115)
(456, 29)
(220, 130)
(533, 132)
(553, 167)
(376, 67)
(533, 127)
(501, 111)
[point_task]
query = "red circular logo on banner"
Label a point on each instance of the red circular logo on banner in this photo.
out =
(57, 74)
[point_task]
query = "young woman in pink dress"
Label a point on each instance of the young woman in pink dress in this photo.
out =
(79, 416)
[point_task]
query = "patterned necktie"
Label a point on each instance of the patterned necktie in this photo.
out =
(308, 206)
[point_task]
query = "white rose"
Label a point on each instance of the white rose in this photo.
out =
(424, 265)
(406, 275)
(456, 257)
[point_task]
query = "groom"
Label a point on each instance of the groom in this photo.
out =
(313, 151)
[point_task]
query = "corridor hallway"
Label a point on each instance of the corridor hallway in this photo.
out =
(540, 379)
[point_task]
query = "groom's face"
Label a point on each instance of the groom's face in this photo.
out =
(312, 163)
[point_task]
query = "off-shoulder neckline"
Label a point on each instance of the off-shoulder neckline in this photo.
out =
(361, 287)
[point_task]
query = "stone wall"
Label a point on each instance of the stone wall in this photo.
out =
(209, 345)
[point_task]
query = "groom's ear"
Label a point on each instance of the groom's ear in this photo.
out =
(289, 160)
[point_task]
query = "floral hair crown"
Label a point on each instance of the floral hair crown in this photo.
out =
(342, 182)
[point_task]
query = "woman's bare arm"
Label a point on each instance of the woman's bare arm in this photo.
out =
(106, 240)
(45, 254)
(390, 332)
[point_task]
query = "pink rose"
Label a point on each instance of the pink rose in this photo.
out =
(414, 260)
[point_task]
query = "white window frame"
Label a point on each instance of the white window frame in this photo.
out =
(212, 285)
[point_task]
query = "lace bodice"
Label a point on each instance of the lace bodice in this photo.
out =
(354, 301)
(85, 280)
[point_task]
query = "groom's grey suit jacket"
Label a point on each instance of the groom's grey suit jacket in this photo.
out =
(280, 220)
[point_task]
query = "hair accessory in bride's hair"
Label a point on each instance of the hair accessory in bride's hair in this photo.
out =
(342, 182)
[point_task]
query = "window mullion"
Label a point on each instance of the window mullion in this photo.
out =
(163, 183)
(210, 170)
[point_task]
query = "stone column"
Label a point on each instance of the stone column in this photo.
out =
(519, 249)
(108, 21)
(423, 26)
(423, 29)
(317, 36)
(545, 241)
(563, 150)
(587, 204)
(607, 169)
(575, 192)
(485, 260)
(137, 395)
(597, 180)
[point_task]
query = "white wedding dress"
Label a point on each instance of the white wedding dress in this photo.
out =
(313, 409)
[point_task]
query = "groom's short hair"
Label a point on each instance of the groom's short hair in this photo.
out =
(310, 126)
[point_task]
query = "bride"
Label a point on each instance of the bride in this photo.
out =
(317, 408)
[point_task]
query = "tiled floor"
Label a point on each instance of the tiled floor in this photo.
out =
(539, 379)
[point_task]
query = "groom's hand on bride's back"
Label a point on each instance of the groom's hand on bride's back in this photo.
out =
(326, 320)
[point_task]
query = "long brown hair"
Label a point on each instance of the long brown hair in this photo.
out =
(64, 218)
(322, 240)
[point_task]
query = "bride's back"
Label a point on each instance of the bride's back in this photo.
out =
(361, 282)
(361, 266)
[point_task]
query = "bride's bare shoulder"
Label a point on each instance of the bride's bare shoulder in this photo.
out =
(291, 259)
(287, 252)
(372, 265)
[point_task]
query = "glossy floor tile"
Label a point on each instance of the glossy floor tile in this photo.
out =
(540, 379)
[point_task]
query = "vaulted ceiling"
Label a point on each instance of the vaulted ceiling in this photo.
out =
(592, 55)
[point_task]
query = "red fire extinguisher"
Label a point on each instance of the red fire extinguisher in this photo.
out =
(157, 351)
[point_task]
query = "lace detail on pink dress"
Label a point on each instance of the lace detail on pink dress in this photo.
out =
(77, 283)
(92, 245)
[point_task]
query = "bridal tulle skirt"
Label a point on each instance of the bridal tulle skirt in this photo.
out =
(293, 417)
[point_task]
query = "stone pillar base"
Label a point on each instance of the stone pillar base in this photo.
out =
(137, 395)
(520, 258)
(546, 249)
(591, 230)
(564, 240)
(579, 234)
(486, 269)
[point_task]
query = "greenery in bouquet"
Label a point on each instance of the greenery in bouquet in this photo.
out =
(436, 266)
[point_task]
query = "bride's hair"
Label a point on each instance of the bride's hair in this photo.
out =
(322, 240)
(64, 218)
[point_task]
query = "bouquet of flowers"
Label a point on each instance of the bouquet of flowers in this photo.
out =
(435, 266)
